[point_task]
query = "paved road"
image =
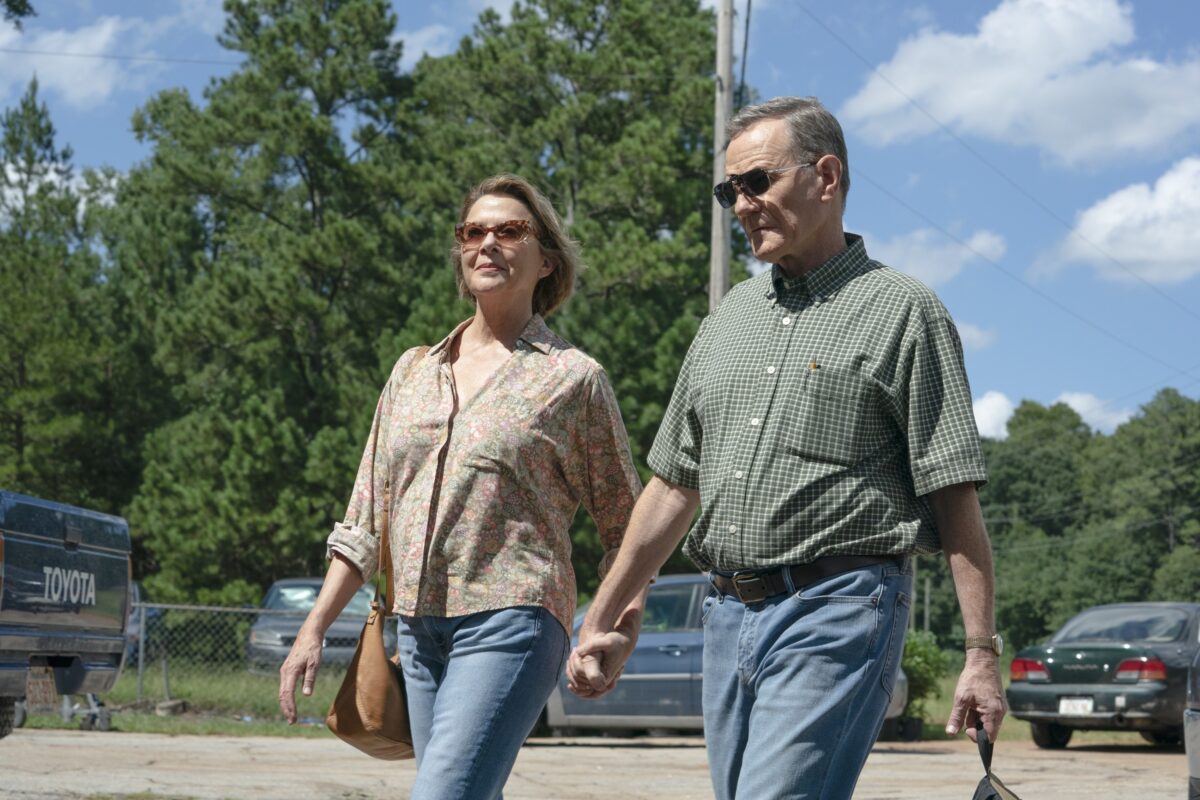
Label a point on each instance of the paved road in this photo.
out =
(71, 765)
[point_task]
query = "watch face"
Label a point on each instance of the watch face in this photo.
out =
(997, 644)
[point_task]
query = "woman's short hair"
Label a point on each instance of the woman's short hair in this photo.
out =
(813, 130)
(554, 289)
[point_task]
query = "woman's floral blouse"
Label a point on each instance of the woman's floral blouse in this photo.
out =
(493, 489)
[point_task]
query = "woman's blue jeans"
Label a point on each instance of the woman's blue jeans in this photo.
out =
(475, 686)
(796, 686)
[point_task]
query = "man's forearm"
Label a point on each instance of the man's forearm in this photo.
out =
(659, 521)
(969, 555)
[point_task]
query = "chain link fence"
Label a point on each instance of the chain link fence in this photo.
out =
(224, 660)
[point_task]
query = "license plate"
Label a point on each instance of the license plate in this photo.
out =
(1075, 705)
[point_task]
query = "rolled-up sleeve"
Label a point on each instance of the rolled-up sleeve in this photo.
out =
(612, 482)
(943, 441)
(356, 537)
(675, 456)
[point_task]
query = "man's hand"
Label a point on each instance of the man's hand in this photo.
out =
(302, 664)
(595, 665)
(979, 696)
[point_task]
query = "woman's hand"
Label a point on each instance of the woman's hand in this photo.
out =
(301, 665)
(595, 665)
(341, 582)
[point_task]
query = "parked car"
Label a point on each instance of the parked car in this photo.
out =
(1113, 667)
(1191, 728)
(660, 688)
(290, 599)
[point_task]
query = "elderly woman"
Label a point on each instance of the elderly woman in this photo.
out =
(484, 445)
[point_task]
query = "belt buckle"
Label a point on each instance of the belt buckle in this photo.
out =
(745, 584)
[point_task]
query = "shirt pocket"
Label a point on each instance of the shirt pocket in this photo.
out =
(836, 417)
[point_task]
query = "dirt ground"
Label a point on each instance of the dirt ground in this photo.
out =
(70, 765)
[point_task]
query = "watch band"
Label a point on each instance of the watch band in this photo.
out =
(992, 642)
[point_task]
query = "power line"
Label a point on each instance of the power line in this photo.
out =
(1073, 502)
(996, 169)
(117, 57)
(1048, 298)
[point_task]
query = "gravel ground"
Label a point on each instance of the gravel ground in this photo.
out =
(72, 765)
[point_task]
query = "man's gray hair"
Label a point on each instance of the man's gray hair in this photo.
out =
(815, 132)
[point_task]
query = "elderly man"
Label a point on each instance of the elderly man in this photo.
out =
(822, 424)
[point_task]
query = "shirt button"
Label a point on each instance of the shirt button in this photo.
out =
(733, 528)
(787, 320)
(771, 370)
(754, 421)
(739, 474)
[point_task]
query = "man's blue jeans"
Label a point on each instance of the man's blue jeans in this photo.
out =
(796, 686)
(475, 686)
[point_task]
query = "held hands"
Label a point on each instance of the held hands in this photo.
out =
(979, 696)
(595, 665)
(302, 663)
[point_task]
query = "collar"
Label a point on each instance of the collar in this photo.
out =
(827, 278)
(535, 334)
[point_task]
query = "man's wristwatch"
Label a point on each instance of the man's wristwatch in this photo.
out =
(993, 643)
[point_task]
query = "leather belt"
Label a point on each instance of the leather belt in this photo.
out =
(752, 586)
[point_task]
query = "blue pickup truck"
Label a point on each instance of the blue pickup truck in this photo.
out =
(64, 598)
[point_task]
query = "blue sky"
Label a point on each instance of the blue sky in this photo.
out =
(1036, 161)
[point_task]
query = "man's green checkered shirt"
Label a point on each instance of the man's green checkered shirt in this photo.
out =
(814, 414)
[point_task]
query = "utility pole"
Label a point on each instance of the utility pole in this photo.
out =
(718, 269)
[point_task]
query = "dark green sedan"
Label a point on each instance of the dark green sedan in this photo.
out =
(1114, 667)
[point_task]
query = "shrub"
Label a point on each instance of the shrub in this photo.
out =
(925, 664)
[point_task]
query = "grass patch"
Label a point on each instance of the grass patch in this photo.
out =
(231, 692)
(188, 724)
(221, 701)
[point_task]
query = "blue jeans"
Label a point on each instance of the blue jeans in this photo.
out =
(796, 686)
(475, 686)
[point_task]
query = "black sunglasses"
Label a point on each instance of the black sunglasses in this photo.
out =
(752, 183)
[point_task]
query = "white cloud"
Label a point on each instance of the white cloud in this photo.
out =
(992, 412)
(434, 40)
(1043, 73)
(503, 7)
(1095, 412)
(1152, 231)
(205, 15)
(974, 337)
(932, 257)
(82, 82)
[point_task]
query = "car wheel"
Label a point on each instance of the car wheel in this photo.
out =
(1049, 735)
(7, 712)
(1172, 737)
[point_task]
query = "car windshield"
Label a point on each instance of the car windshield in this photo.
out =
(1124, 624)
(302, 597)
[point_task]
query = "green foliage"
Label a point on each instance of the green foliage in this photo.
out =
(926, 665)
(199, 343)
(15, 10)
(1030, 565)
(288, 241)
(1177, 578)
(60, 361)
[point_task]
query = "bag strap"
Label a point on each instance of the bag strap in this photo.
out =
(385, 548)
(985, 747)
